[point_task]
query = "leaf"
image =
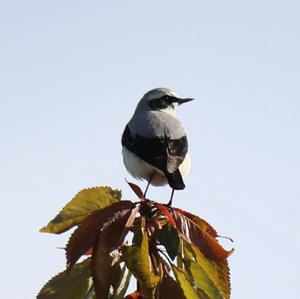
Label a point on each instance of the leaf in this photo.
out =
(218, 272)
(135, 295)
(186, 284)
(137, 260)
(130, 220)
(192, 233)
(86, 234)
(168, 288)
(137, 190)
(68, 285)
(165, 211)
(104, 273)
(203, 281)
(103, 269)
(168, 236)
(204, 225)
(120, 285)
(83, 204)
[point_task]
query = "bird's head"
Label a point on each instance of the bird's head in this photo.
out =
(161, 99)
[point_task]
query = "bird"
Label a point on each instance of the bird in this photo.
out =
(154, 142)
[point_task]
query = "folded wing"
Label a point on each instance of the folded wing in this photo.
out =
(164, 153)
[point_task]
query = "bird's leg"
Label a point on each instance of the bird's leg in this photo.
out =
(150, 179)
(170, 202)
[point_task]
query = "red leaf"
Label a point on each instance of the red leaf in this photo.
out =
(137, 190)
(86, 234)
(165, 211)
(169, 288)
(135, 295)
(192, 233)
(204, 225)
(104, 268)
(89, 252)
(129, 222)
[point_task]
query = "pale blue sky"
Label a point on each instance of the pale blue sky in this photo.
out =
(71, 75)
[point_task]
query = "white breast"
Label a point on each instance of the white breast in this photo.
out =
(140, 169)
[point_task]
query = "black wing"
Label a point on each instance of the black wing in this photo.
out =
(164, 153)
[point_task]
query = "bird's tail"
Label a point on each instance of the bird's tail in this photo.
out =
(175, 180)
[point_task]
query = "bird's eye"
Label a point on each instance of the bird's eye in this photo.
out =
(161, 103)
(168, 99)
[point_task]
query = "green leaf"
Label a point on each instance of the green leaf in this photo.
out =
(72, 284)
(187, 285)
(91, 293)
(217, 272)
(179, 261)
(137, 260)
(83, 204)
(168, 237)
(203, 281)
(121, 284)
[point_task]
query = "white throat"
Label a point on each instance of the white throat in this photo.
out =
(170, 110)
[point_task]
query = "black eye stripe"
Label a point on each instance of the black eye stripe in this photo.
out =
(168, 98)
(162, 103)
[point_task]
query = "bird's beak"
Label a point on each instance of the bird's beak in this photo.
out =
(184, 100)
